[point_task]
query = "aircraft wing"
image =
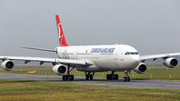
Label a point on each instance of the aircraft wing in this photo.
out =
(42, 60)
(154, 57)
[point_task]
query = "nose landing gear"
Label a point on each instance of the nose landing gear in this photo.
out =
(126, 78)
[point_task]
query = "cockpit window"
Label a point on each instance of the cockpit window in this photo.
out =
(131, 53)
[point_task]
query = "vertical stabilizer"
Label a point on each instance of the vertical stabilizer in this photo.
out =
(62, 40)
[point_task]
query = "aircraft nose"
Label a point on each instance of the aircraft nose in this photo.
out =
(136, 60)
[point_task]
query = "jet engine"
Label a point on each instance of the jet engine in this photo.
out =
(59, 69)
(141, 68)
(7, 65)
(170, 62)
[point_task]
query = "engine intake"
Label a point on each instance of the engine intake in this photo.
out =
(170, 62)
(59, 69)
(7, 65)
(141, 68)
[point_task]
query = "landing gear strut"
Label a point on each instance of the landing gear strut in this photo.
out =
(112, 76)
(68, 77)
(126, 78)
(89, 76)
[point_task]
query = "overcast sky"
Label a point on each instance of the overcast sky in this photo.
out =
(151, 26)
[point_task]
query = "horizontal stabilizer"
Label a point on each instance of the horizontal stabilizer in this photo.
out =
(42, 49)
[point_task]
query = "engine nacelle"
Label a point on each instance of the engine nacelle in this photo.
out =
(7, 65)
(170, 62)
(141, 68)
(59, 69)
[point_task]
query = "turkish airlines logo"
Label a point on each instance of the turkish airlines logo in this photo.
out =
(59, 30)
(60, 39)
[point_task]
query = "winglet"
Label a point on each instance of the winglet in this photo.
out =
(62, 40)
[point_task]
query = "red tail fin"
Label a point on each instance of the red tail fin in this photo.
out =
(62, 40)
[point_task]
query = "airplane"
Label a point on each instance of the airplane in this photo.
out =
(92, 58)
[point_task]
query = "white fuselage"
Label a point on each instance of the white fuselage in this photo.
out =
(103, 57)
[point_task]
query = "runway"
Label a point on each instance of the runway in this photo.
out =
(100, 81)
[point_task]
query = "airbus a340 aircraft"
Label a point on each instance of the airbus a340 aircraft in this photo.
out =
(93, 58)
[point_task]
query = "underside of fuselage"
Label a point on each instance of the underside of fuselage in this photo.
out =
(100, 69)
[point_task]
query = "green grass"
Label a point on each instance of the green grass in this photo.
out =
(152, 73)
(42, 90)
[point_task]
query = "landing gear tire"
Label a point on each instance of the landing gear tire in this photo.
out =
(91, 77)
(71, 77)
(126, 79)
(66, 78)
(108, 76)
(87, 77)
(111, 77)
(116, 76)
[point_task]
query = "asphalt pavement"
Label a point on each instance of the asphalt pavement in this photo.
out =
(99, 81)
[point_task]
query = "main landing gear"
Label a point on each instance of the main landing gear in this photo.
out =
(112, 76)
(126, 78)
(89, 76)
(68, 77)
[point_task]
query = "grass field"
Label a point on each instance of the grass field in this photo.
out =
(152, 73)
(44, 91)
